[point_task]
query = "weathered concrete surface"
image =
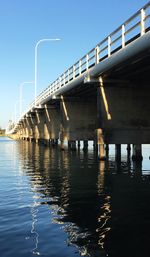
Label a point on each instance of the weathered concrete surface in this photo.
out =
(125, 119)
(78, 119)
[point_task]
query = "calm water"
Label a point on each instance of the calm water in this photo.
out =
(62, 204)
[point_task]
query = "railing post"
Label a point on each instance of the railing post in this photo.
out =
(123, 36)
(96, 55)
(142, 22)
(68, 75)
(80, 64)
(87, 62)
(109, 46)
(50, 90)
(74, 69)
(54, 87)
(64, 78)
(59, 82)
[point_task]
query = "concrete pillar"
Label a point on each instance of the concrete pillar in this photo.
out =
(128, 152)
(101, 145)
(72, 145)
(107, 150)
(101, 152)
(36, 140)
(40, 125)
(55, 142)
(137, 152)
(85, 145)
(95, 145)
(52, 122)
(77, 119)
(62, 147)
(79, 144)
(31, 139)
(118, 152)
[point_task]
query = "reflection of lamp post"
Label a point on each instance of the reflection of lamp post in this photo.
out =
(36, 47)
(21, 85)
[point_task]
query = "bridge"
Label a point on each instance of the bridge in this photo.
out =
(103, 97)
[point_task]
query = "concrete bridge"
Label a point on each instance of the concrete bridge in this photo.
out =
(104, 97)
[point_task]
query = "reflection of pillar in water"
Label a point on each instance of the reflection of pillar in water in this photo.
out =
(137, 167)
(100, 182)
(34, 212)
(105, 210)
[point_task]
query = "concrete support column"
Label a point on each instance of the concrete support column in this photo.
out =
(137, 153)
(72, 145)
(62, 147)
(77, 119)
(56, 142)
(30, 138)
(101, 152)
(52, 123)
(85, 145)
(118, 152)
(78, 144)
(107, 150)
(101, 145)
(40, 121)
(128, 152)
(95, 145)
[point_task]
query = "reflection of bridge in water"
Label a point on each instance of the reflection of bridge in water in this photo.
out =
(104, 97)
(93, 204)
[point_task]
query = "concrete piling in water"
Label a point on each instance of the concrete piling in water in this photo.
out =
(101, 152)
(118, 152)
(72, 145)
(107, 150)
(78, 144)
(137, 152)
(85, 145)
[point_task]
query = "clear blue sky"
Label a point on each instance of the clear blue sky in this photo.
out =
(80, 24)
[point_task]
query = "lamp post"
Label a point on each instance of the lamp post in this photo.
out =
(21, 86)
(16, 110)
(36, 50)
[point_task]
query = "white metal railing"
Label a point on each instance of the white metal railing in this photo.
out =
(135, 27)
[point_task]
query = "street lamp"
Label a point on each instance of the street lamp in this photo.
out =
(21, 85)
(15, 120)
(36, 48)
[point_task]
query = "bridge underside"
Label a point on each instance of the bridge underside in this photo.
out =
(112, 107)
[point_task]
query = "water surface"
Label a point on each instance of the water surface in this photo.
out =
(66, 204)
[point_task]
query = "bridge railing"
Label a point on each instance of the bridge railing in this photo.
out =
(136, 26)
